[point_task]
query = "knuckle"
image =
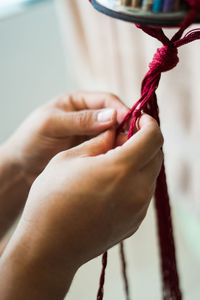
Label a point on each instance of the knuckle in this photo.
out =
(78, 97)
(63, 100)
(46, 118)
(83, 118)
(56, 100)
(112, 96)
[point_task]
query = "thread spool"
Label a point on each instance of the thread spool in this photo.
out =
(160, 13)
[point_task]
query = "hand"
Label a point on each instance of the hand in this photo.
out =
(61, 124)
(87, 199)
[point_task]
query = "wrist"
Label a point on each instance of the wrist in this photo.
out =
(35, 266)
(12, 163)
(14, 189)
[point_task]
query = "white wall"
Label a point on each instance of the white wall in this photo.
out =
(31, 64)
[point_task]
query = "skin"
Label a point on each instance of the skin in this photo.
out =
(59, 125)
(86, 200)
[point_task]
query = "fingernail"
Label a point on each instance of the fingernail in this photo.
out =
(106, 115)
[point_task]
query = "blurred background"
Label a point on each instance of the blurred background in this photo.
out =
(34, 67)
(31, 59)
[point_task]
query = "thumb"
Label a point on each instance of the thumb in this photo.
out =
(85, 122)
(142, 147)
(95, 146)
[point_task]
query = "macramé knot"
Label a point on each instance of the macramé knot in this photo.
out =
(165, 59)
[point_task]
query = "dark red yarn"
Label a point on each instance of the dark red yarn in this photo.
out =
(124, 272)
(102, 277)
(165, 59)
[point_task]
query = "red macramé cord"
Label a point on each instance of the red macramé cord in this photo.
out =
(124, 271)
(165, 59)
(102, 277)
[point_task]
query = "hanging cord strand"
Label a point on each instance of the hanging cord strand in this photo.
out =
(124, 270)
(170, 278)
(102, 277)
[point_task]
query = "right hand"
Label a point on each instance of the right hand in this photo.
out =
(86, 200)
(93, 193)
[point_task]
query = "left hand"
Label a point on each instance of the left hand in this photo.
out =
(61, 124)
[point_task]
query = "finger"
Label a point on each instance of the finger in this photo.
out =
(95, 146)
(142, 146)
(94, 100)
(84, 122)
(121, 139)
(64, 102)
